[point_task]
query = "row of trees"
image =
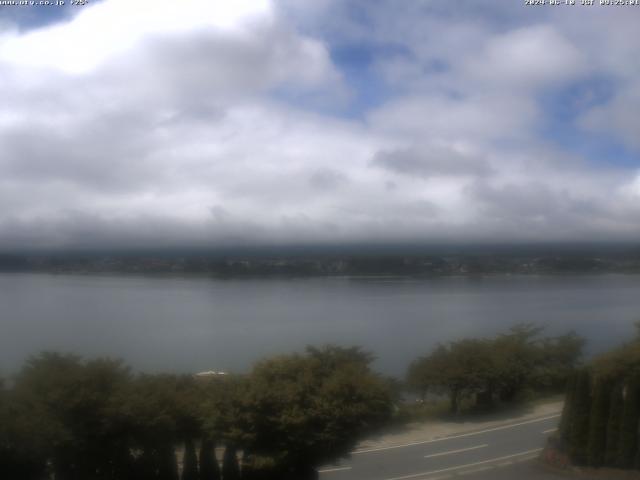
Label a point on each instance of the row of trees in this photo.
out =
(601, 419)
(483, 371)
(66, 418)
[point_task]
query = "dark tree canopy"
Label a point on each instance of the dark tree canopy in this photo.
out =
(306, 410)
(498, 368)
(209, 468)
(601, 419)
(93, 420)
(230, 466)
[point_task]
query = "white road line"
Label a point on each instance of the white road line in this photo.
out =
(524, 458)
(460, 467)
(474, 470)
(337, 469)
(550, 430)
(451, 452)
(370, 450)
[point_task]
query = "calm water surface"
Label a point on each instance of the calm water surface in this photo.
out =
(192, 324)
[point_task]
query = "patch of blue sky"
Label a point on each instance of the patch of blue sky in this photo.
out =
(365, 87)
(31, 17)
(357, 63)
(564, 109)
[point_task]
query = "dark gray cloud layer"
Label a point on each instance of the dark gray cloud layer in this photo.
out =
(430, 161)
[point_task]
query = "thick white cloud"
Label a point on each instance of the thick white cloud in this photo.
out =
(111, 28)
(530, 57)
(171, 123)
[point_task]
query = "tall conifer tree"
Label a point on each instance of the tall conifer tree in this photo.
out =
(629, 424)
(598, 423)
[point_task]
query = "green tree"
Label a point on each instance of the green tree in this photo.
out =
(230, 467)
(209, 468)
(418, 377)
(225, 419)
(518, 355)
(567, 410)
(481, 370)
(614, 424)
(598, 423)
(190, 462)
(621, 363)
(22, 456)
(167, 464)
(628, 442)
(580, 414)
(428, 374)
(622, 366)
(153, 421)
(558, 358)
(307, 410)
(71, 405)
(462, 369)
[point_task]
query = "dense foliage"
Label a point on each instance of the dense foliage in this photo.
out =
(306, 410)
(601, 419)
(483, 371)
(70, 419)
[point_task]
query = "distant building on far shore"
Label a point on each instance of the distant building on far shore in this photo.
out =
(210, 373)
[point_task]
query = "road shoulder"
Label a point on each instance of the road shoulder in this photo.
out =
(437, 429)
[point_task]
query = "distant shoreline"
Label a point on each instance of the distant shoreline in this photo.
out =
(194, 275)
(362, 265)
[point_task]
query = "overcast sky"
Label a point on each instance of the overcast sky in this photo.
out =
(210, 122)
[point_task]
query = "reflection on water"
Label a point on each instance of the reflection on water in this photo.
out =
(191, 324)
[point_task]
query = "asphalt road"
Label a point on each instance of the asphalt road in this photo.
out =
(505, 452)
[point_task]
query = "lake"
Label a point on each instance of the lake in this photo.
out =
(184, 324)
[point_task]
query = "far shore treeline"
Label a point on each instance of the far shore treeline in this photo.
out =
(357, 262)
(70, 418)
